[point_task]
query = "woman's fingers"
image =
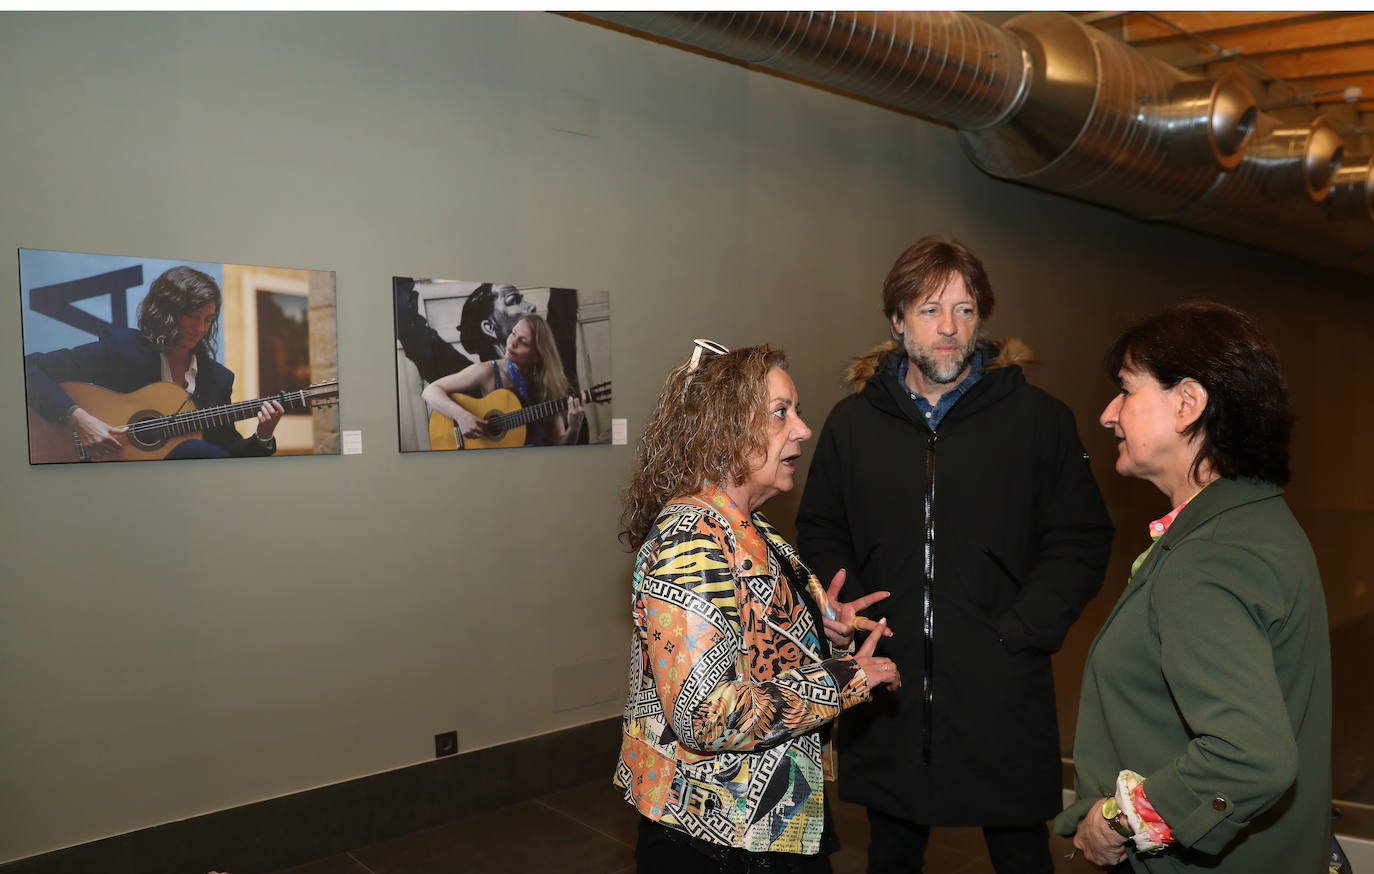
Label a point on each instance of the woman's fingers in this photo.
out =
(879, 671)
(867, 600)
(836, 584)
(863, 623)
(870, 644)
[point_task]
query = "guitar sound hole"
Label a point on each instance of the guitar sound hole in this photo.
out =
(146, 438)
(495, 426)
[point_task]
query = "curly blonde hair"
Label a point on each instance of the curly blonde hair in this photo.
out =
(707, 427)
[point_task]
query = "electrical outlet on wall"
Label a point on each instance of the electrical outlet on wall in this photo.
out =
(445, 744)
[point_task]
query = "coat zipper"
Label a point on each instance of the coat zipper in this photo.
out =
(927, 605)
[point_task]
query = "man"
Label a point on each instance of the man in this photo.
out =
(949, 481)
(488, 316)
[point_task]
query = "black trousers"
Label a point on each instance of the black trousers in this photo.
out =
(898, 846)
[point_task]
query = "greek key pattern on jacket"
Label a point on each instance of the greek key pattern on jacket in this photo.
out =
(729, 686)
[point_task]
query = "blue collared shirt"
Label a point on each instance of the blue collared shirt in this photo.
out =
(934, 413)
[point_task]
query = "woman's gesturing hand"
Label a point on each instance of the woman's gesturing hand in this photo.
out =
(841, 628)
(878, 670)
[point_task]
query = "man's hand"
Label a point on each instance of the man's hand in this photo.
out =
(1098, 841)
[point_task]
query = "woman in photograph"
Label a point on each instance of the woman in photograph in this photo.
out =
(740, 660)
(531, 369)
(174, 344)
(1204, 725)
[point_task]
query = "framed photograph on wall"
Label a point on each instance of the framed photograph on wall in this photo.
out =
(490, 365)
(141, 359)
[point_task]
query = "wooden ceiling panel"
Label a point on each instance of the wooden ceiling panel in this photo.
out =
(1322, 64)
(1331, 31)
(1364, 83)
(1140, 29)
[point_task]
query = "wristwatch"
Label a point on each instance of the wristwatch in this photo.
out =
(1111, 812)
(269, 442)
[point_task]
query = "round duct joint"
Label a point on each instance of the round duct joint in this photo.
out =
(1321, 159)
(1212, 121)
(1352, 191)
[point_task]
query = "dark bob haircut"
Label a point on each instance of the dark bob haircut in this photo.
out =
(1247, 424)
(926, 266)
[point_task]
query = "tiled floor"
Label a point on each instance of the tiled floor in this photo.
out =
(589, 829)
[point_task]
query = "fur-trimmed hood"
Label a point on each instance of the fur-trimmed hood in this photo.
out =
(1009, 351)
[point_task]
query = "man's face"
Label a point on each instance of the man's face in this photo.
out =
(940, 331)
(509, 308)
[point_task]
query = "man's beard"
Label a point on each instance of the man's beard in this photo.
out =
(931, 369)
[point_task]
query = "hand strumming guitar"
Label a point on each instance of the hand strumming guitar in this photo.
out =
(101, 440)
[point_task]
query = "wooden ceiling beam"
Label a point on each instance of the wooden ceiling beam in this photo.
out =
(1364, 83)
(1140, 29)
(1329, 33)
(1322, 64)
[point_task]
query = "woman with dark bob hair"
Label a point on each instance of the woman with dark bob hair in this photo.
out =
(739, 659)
(1204, 725)
(174, 343)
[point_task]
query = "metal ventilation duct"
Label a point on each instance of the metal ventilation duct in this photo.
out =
(1051, 103)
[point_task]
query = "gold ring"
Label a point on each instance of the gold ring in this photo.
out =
(855, 623)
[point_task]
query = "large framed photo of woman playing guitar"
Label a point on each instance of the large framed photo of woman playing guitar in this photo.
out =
(493, 365)
(128, 358)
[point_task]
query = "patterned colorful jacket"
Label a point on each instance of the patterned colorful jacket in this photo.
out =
(729, 687)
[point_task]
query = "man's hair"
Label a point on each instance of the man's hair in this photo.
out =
(178, 292)
(1246, 425)
(926, 266)
(476, 309)
(707, 427)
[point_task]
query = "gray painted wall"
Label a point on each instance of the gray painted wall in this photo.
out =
(176, 639)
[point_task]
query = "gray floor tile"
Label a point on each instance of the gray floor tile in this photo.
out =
(521, 837)
(600, 807)
(341, 864)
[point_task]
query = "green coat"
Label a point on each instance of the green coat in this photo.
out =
(1212, 679)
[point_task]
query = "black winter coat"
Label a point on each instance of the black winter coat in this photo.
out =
(1017, 541)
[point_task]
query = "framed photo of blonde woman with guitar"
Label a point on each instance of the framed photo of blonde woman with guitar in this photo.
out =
(129, 358)
(493, 365)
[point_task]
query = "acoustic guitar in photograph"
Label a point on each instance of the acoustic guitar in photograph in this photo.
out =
(506, 419)
(160, 416)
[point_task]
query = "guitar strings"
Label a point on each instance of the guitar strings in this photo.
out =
(197, 420)
(547, 408)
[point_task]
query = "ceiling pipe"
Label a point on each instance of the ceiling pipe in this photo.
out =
(1352, 190)
(1051, 103)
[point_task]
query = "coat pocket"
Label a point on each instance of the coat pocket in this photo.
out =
(1002, 566)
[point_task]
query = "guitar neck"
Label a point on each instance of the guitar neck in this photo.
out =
(199, 420)
(542, 410)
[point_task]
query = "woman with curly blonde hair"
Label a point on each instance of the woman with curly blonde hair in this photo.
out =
(740, 659)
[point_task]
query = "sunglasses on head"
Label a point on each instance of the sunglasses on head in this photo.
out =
(699, 346)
